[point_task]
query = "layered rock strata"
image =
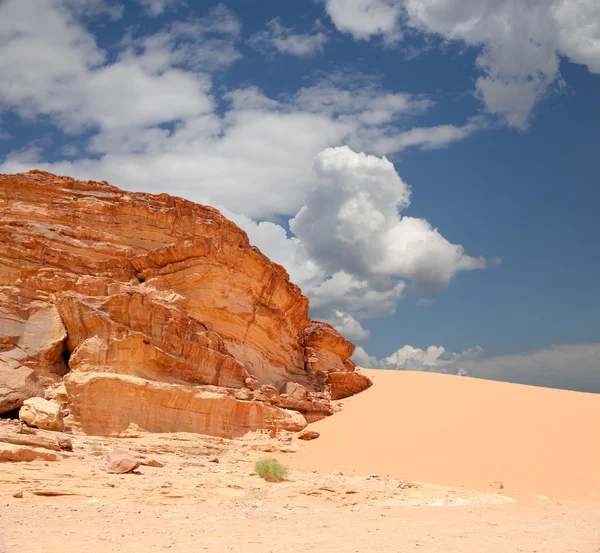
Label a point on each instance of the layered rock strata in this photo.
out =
(156, 311)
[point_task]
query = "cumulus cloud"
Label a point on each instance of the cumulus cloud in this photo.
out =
(432, 359)
(521, 42)
(286, 41)
(351, 223)
(366, 18)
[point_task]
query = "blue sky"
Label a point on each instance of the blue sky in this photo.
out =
(426, 170)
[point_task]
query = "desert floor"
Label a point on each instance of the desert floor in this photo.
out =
(356, 488)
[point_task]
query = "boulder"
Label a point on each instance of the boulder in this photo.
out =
(346, 384)
(308, 435)
(17, 383)
(42, 413)
(121, 461)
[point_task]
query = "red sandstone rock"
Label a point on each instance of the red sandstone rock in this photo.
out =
(162, 311)
(121, 461)
(346, 384)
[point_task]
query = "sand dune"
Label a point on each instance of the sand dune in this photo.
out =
(465, 432)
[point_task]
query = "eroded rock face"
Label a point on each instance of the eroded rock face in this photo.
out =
(162, 311)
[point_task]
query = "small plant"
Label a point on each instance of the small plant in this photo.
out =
(270, 470)
(95, 446)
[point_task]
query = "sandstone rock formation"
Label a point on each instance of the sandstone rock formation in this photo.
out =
(155, 311)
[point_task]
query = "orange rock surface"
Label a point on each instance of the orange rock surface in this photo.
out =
(159, 312)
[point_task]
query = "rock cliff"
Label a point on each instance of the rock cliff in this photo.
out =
(153, 310)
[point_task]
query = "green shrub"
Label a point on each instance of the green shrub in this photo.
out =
(271, 470)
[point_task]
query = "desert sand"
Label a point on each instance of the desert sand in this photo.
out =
(465, 432)
(405, 466)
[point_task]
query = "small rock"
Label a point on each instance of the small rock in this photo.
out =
(373, 475)
(214, 460)
(153, 463)
(121, 461)
(24, 429)
(497, 486)
(18, 495)
(65, 444)
(308, 435)
(244, 394)
(407, 485)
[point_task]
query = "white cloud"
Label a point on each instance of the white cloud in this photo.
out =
(204, 43)
(350, 223)
(157, 7)
(521, 42)
(52, 66)
(425, 302)
(425, 138)
(363, 359)
(432, 359)
(286, 41)
(359, 99)
(349, 326)
(365, 18)
(375, 297)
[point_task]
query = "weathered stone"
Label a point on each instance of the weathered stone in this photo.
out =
(121, 461)
(346, 384)
(32, 440)
(42, 413)
(105, 404)
(324, 336)
(18, 453)
(308, 435)
(152, 463)
(17, 383)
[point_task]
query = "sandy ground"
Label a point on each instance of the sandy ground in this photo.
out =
(195, 504)
(465, 432)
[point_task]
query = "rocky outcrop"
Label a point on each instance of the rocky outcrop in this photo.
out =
(105, 404)
(159, 312)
